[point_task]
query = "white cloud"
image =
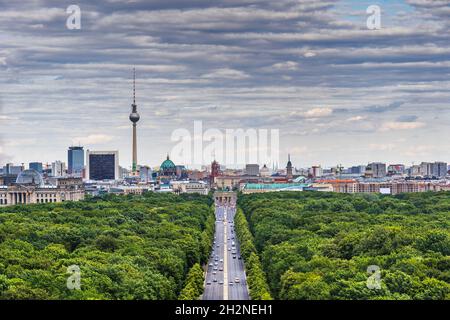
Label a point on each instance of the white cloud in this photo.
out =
(318, 113)
(309, 54)
(92, 139)
(226, 73)
(394, 125)
(356, 118)
(288, 66)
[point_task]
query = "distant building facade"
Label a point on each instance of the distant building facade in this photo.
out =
(376, 170)
(102, 165)
(36, 166)
(58, 169)
(75, 161)
(29, 188)
(252, 169)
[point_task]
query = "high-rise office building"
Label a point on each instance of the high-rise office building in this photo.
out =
(145, 174)
(252, 169)
(426, 169)
(75, 160)
(377, 169)
(102, 165)
(11, 169)
(439, 169)
(36, 166)
(316, 171)
(58, 169)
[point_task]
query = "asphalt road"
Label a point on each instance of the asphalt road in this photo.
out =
(229, 283)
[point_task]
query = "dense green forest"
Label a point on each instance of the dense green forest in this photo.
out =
(316, 245)
(256, 279)
(126, 247)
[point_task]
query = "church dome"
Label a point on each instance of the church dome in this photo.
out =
(30, 176)
(167, 164)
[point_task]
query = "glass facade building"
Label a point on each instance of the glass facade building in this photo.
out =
(75, 159)
(36, 166)
(102, 166)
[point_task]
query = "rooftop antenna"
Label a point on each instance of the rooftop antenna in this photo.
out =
(134, 85)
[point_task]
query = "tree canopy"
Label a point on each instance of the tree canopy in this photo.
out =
(316, 245)
(127, 247)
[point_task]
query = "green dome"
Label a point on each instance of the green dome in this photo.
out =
(167, 164)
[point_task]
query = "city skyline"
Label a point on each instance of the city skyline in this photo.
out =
(338, 92)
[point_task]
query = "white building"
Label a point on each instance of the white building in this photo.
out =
(58, 169)
(190, 187)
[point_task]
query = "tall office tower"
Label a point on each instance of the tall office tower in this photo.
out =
(36, 166)
(439, 169)
(58, 169)
(10, 168)
(316, 171)
(426, 169)
(378, 169)
(134, 118)
(102, 165)
(145, 174)
(289, 168)
(252, 169)
(75, 159)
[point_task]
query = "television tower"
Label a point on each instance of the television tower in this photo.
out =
(134, 118)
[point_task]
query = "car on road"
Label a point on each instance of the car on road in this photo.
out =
(214, 272)
(214, 280)
(240, 258)
(229, 249)
(215, 268)
(208, 283)
(221, 269)
(234, 257)
(220, 282)
(236, 280)
(210, 264)
(231, 283)
(217, 246)
(216, 263)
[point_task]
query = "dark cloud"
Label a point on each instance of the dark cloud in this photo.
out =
(387, 108)
(260, 63)
(407, 118)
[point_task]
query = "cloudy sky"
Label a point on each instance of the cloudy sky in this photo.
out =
(337, 91)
